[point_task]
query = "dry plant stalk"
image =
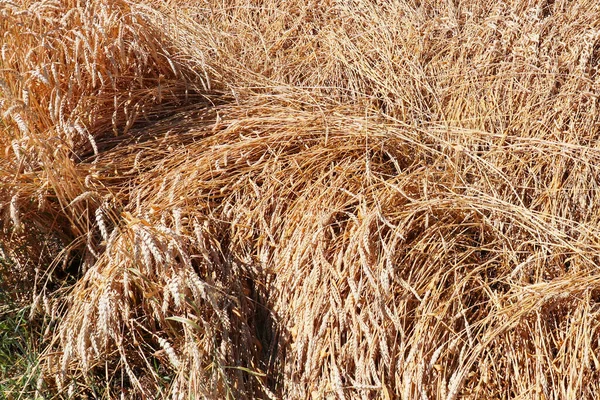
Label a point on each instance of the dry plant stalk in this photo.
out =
(291, 199)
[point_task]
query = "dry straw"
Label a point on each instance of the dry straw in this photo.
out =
(291, 199)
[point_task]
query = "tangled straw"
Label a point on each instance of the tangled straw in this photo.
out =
(293, 200)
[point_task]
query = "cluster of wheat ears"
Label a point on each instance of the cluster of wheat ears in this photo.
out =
(305, 199)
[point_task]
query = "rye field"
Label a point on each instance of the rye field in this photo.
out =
(301, 199)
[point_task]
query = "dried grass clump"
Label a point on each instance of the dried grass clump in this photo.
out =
(306, 199)
(75, 78)
(150, 300)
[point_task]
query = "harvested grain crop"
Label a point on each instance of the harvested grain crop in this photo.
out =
(286, 199)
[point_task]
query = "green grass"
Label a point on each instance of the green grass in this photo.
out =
(18, 350)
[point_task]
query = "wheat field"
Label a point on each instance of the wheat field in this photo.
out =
(337, 199)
